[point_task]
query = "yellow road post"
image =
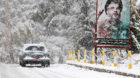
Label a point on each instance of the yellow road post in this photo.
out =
(93, 57)
(103, 54)
(73, 55)
(78, 55)
(85, 54)
(115, 59)
(129, 58)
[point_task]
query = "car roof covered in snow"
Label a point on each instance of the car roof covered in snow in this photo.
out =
(33, 45)
(27, 45)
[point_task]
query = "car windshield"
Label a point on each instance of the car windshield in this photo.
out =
(35, 48)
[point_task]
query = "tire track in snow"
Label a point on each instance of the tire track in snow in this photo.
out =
(33, 74)
(51, 73)
(36, 71)
(43, 74)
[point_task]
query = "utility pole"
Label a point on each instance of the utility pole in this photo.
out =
(6, 27)
(7, 32)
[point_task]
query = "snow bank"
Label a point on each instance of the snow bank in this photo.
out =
(120, 69)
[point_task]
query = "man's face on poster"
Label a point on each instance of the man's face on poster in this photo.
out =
(113, 11)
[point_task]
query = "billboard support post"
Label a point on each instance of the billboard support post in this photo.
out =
(95, 37)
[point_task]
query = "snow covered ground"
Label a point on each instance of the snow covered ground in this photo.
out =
(54, 71)
(120, 68)
(123, 68)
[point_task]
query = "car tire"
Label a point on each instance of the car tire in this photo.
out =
(48, 64)
(43, 64)
(23, 64)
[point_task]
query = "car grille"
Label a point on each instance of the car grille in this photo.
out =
(36, 56)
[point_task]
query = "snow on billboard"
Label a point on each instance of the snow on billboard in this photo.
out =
(113, 23)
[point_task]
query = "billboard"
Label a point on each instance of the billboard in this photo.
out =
(113, 23)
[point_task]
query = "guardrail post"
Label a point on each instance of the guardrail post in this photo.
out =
(70, 55)
(93, 57)
(115, 59)
(85, 54)
(129, 58)
(78, 55)
(103, 54)
(73, 55)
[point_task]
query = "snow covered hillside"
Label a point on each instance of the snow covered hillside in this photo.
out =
(62, 25)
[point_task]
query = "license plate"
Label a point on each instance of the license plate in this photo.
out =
(36, 59)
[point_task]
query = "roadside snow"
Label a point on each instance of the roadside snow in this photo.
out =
(120, 68)
(54, 71)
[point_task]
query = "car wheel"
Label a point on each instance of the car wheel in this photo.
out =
(43, 64)
(48, 64)
(22, 64)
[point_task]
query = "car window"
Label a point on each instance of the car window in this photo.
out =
(35, 48)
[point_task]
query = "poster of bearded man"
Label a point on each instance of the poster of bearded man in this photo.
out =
(113, 23)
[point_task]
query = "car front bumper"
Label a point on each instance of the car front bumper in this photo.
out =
(36, 61)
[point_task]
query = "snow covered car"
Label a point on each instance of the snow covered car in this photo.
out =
(34, 54)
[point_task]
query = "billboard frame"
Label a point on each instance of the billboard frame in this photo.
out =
(95, 35)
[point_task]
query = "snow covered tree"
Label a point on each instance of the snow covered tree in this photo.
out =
(61, 24)
(135, 25)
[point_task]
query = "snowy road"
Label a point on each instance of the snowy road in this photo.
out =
(54, 71)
